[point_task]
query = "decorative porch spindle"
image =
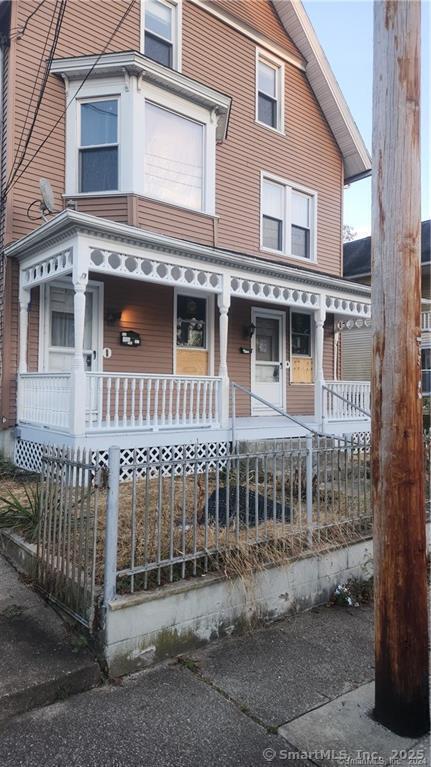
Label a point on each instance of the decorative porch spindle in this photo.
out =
(78, 378)
(223, 300)
(319, 380)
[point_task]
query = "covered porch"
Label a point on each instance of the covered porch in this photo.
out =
(134, 339)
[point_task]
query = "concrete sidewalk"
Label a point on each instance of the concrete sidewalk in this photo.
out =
(278, 696)
(40, 660)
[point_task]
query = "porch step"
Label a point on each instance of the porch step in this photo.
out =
(41, 661)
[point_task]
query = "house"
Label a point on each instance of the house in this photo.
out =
(197, 152)
(357, 336)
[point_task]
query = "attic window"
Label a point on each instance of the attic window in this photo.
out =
(269, 92)
(161, 32)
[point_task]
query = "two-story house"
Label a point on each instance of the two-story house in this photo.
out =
(197, 152)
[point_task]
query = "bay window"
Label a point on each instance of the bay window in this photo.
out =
(174, 158)
(98, 151)
(269, 91)
(288, 215)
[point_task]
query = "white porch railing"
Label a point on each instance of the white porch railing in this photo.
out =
(353, 397)
(124, 401)
(44, 399)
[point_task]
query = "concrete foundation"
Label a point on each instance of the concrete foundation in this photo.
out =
(144, 628)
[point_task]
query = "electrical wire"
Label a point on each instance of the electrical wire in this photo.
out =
(51, 54)
(18, 31)
(58, 121)
(30, 101)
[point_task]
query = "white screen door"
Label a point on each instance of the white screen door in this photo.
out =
(59, 329)
(267, 359)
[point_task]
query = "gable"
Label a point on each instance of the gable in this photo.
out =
(262, 17)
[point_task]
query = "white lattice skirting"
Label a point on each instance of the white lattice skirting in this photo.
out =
(28, 455)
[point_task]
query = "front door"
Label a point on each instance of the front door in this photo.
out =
(58, 334)
(267, 374)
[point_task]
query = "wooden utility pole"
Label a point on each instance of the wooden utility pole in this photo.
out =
(401, 633)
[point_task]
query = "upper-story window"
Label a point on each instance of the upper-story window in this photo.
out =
(161, 31)
(269, 91)
(288, 219)
(98, 150)
(174, 157)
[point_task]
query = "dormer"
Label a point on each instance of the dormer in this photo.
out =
(136, 126)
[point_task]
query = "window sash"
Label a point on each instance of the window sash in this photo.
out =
(270, 211)
(163, 42)
(268, 95)
(155, 33)
(107, 175)
(162, 45)
(279, 233)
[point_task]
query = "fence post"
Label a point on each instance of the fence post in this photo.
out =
(111, 526)
(309, 488)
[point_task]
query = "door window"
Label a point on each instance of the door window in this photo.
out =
(267, 350)
(62, 329)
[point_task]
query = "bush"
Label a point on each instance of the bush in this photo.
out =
(22, 513)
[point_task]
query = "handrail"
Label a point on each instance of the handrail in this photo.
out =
(263, 401)
(348, 401)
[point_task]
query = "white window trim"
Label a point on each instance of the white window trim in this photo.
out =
(208, 177)
(132, 95)
(80, 147)
(209, 348)
(273, 62)
(287, 222)
(177, 31)
(294, 310)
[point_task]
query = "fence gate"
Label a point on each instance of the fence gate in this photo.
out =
(67, 540)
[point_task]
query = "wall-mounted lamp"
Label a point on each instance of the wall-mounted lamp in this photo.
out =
(248, 332)
(112, 316)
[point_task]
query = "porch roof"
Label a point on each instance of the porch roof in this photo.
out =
(48, 251)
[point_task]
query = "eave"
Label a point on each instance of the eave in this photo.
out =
(356, 158)
(132, 63)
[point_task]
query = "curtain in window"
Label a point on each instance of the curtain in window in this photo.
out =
(173, 158)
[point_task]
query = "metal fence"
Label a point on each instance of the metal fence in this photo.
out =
(68, 530)
(187, 514)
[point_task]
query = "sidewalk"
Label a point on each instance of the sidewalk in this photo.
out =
(246, 701)
(40, 661)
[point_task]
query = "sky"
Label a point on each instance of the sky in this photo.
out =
(345, 30)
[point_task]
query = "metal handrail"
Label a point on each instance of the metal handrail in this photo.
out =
(263, 401)
(348, 401)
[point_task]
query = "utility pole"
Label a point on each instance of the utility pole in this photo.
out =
(401, 633)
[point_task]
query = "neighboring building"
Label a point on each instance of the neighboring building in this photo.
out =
(197, 152)
(357, 336)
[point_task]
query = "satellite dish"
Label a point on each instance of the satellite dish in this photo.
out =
(47, 204)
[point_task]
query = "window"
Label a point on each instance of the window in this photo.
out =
(273, 206)
(174, 150)
(301, 334)
(160, 31)
(191, 322)
(269, 92)
(300, 225)
(426, 371)
(288, 219)
(98, 152)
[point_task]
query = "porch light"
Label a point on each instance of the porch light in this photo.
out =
(113, 316)
(249, 331)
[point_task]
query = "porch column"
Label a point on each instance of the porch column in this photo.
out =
(319, 380)
(223, 301)
(24, 303)
(78, 378)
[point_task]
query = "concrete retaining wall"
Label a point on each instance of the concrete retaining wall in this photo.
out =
(147, 627)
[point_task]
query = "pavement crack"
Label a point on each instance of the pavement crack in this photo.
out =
(193, 666)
